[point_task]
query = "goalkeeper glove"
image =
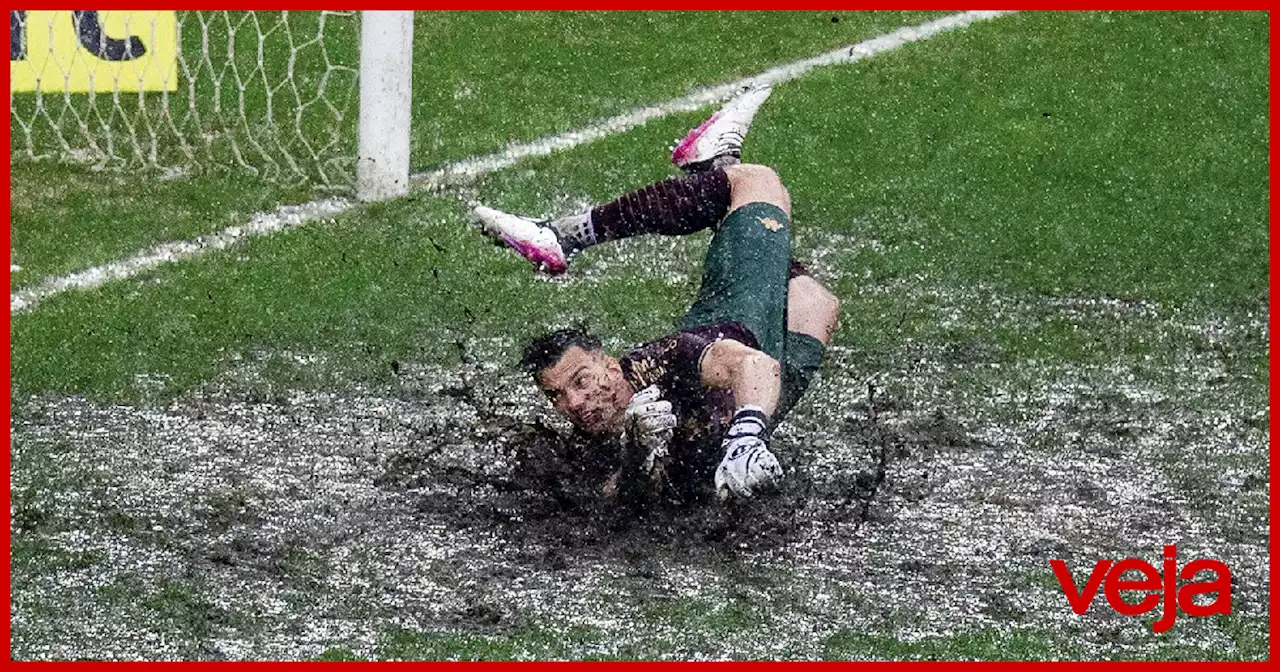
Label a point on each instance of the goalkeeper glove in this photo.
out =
(650, 423)
(747, 465)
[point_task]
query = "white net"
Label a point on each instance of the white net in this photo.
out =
(271, 93)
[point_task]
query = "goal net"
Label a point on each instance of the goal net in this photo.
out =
(273, 94)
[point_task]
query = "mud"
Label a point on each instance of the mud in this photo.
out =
(244, 521)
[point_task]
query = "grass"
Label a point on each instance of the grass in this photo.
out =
(1060, 163)
(699, 615)
(987, 645)
(232, 307)
(1248, 636)
(387, 280)
(478, 94)
(47, 557)
(526, 643)
(66, 219)
(543, 643)
(186, 609)
(471, 95)
(1000, 172)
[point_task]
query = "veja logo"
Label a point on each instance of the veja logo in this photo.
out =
(1174, 598)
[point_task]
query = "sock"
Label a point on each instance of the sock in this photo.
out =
(575, 232)
(711, 164)
(748, 420)
(672, 207)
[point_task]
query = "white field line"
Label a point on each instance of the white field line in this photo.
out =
(467, 169)
(261, 224)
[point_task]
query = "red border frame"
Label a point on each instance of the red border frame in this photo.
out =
(703, 5)
(798, 5)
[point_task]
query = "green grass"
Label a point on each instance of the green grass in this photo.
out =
(985, 645)
(184, 607)
(372, 288)
(472, 94)
(1070, 161)
(387, 282)
(1248, 635)
(698, 615)
(66, 219)
(525, 643)
(37, 553)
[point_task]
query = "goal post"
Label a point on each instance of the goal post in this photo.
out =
(281, 96)
(386, 82)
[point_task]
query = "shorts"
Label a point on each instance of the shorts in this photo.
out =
(745, 280)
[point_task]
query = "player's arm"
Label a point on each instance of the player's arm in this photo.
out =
(756, 378)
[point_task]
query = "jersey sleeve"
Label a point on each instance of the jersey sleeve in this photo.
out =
(673, 362)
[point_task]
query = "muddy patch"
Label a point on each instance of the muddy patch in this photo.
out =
(921, 502)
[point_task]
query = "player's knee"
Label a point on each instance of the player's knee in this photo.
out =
(752, 183)
(812, 309)
(763, 178)
(752, 172)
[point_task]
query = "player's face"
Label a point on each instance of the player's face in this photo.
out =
(587, 387)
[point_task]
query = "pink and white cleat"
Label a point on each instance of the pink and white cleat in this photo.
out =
(533, 240)
(718, 140)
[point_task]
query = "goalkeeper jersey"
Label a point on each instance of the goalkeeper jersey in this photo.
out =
(673, 363)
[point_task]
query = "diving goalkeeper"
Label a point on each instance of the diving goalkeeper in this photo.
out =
(689, 412)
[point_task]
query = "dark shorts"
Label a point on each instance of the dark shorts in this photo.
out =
(745, 280)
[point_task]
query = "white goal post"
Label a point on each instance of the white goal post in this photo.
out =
(271, 95)
(386, 83)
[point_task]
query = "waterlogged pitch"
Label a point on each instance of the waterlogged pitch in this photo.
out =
(1049, 236)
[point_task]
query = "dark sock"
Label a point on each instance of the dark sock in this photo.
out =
(672, 207)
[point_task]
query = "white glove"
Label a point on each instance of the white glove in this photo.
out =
(650, 423)
(747, 465)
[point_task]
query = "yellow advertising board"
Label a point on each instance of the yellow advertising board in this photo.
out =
(80, 51)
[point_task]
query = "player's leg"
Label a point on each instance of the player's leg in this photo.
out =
(672, 207)
(747, 266)
(812, 309)
(677, 206)
(696, 201)
(813, 315)
(751, 278)
(751, 183)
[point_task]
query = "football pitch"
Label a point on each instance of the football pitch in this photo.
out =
(1049, 233)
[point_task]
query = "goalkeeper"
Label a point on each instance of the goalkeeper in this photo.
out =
(692, 410)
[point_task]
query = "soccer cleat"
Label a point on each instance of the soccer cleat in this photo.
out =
(533, 240)
(718, 140)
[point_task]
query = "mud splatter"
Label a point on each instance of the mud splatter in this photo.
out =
(922, 500)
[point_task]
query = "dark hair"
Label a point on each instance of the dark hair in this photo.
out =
(544, 351)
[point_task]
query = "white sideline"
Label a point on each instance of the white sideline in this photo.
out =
(467, 169)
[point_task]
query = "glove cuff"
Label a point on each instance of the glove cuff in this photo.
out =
(748, 420)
